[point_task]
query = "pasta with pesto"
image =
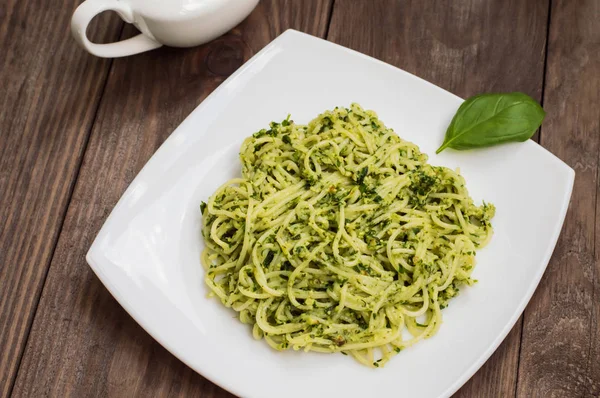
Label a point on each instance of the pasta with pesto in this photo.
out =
(340, 237)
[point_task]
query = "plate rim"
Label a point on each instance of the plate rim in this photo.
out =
(97, 266)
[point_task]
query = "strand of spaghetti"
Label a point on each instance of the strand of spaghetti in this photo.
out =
(261, 321)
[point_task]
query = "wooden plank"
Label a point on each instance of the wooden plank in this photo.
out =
(466, 47)
(560, 354)
(82, 342)
(49, 94)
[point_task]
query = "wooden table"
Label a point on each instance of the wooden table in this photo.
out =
(75, 130)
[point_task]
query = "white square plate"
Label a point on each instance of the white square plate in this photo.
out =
(148, 251)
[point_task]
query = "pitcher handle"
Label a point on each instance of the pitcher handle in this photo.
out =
(88, 10)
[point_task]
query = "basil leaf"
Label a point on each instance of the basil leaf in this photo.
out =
(491, 119)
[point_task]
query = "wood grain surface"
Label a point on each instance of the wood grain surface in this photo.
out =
(49, 93)
(466, 47)
(560, 354)
(75, 130)
(82, 343)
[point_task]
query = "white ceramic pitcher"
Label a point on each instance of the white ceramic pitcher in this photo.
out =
(177, 23)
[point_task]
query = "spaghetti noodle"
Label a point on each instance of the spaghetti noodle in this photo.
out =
(340, 236)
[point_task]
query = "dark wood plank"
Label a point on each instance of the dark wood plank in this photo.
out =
(560, 354)
(49, 94)
(82, 342)
(466, 47)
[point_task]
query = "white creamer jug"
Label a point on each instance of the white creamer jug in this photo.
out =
(177, 23)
